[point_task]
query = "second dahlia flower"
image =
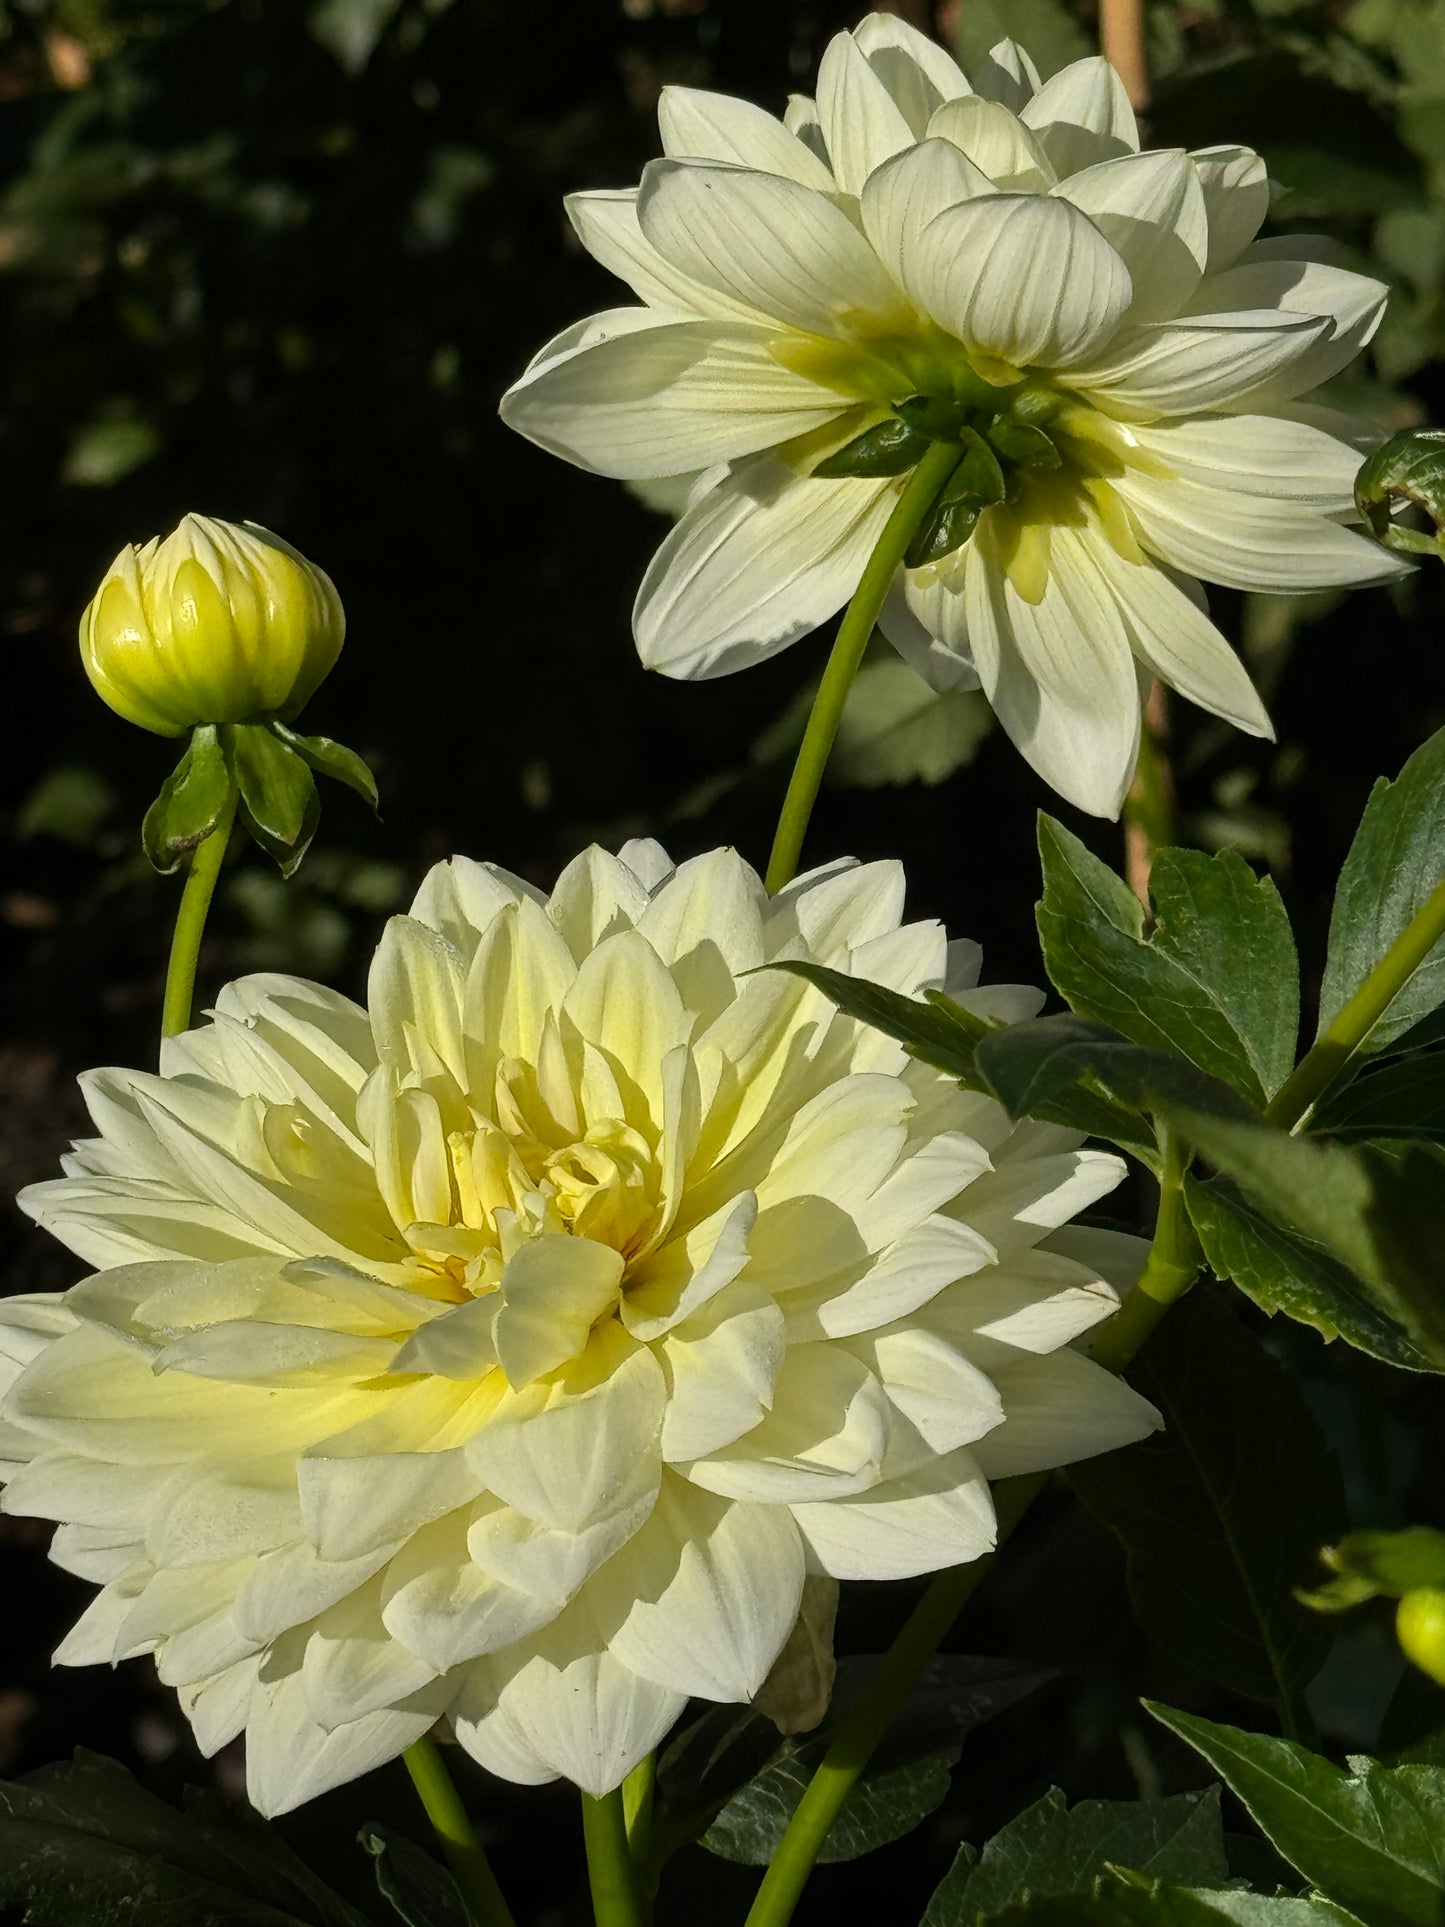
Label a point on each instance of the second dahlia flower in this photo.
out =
(911, 258)
(508, 1352)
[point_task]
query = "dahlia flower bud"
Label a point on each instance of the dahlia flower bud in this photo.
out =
(219, 622)
(1420, 1628)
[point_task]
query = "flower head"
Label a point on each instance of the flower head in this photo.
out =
(912, 258)
(218, 623)
(507, 1352)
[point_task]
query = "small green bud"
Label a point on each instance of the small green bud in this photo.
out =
(1420, 1628)
(1409, 467)
(888, 448)
(218, 623)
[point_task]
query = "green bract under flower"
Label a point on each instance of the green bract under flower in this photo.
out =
(910, 259)
(508, 1352)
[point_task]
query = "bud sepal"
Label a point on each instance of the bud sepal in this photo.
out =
(193, 800)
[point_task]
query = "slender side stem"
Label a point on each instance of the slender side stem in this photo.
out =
(616, 1899)
(1327, 1060)
(455, 1833)
(1170, 1269)
(1121, 38)
(912, 505)
(191, 923)
(1149, 806)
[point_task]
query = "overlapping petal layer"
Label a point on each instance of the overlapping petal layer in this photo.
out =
(509, 1351)
(1005, 250)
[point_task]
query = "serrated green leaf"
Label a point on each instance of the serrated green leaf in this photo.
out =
(1215, 979)
(330, 758)
(1282, 1271)
(1395, 861)
(192, 800)
(1372, 1840)
(1037, 1062)
(1053, 1849)
(1116, 1902)
(895, 729)
(82, 1844)
(1222, 1513)
(1404, 1098)
(276, 784)
(420, 1890)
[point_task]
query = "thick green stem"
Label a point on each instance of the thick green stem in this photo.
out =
(918, 496)
(1170, 1269)
(456, 1835)
(191, 923)
(616, 1896)
(1329, 1058)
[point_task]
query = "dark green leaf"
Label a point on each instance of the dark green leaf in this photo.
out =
(1285, 1272)
(1403, 1098)
(1051, 1849)
(1036, 1063)
(1222, 1513)
(1118, 1902)
(906, 1780)
(329, 758)
(287, 856)
(1215, 979)
(420, 1890)
(1395, 861)
(1372, 1840)
(83, 1845)
(1023, 444)
(190, 804)
(276, 784)
(888, 448)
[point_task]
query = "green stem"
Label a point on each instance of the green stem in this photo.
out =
(616, 1898)
(455, 1833)
(191, 923)
(1171, 1267)
(1149, 805)
(637, 1801)
(918, 496)
(1329, 1058)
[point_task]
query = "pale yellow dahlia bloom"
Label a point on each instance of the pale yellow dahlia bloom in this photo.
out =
(996, 263)
(507, 1352)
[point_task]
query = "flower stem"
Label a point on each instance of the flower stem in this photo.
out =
(637, 1801)
(456, 1835)
(191, 923)
(1171, 1267)
(616, 1897)
(1328, 1059)
(918, 496)
(1149, 805)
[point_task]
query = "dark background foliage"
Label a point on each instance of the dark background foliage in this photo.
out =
(277, 261)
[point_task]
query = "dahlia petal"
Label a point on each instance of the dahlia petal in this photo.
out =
(923, 617)
(698, 125)
(924, 1262)
(676, 1280)
(414, 994)
(549, 1564)
(1083, 116)
(706, 924)
(1058, 1409)
(918, 74)
(759, 560)
(554, 1289)
(518, 977)
(459, 899)
(1007, 75)
(836, 908)
(197, 1517)
(494, 1739)
(1187, 367)
(353, 1666)
(1026, 277)
(679, 396)
(444, 1608)
(294, 1584)
(1251, 541)
(1280, 274)
(825, 1437)
(905, 193)
(591, 1720)
(1150, 208)
(352, 1507)
(290, 1757)
(607, 224)
(217, 1707)
(596, 896)
(1260, 455)
(1059, 675)
(936, 1516)
(944, 1397)
(862, 123)
(711, 1594)
(784, 252)
(1236, 196)
(996, 142)
(723, 1365)
(1015, 1205)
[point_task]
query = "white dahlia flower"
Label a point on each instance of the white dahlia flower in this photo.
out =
(912, 258)
(509, 1351)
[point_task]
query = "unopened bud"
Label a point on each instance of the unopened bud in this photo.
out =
(218, 623)
(1420, 1627)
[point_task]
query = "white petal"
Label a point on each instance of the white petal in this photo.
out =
(607, 224)
(444, 1608)
(1061, 1408)
(353, 1666)
(996, 142)
(1236, 194)
(1008, 76)
(1260, 455)
(290, 1757)
(826, 1436)
(862, 124)
(354, 1506)
(761, 559)
(1150, 208)
(1059, 673)
(697, 125)
(918, 73)
(923, 617)
(905, 193)
(678, 396)
(723, 1364)
(1280, 274)
(590, 1719)
(1022, 276)
(937, 1516)
(554, 1289)
(710, 1590)
(1017, 1204)
(782, 250)
(1185, 367)
(1083, 116)
(547, 1563)
(597, 895)
(1250, 541)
